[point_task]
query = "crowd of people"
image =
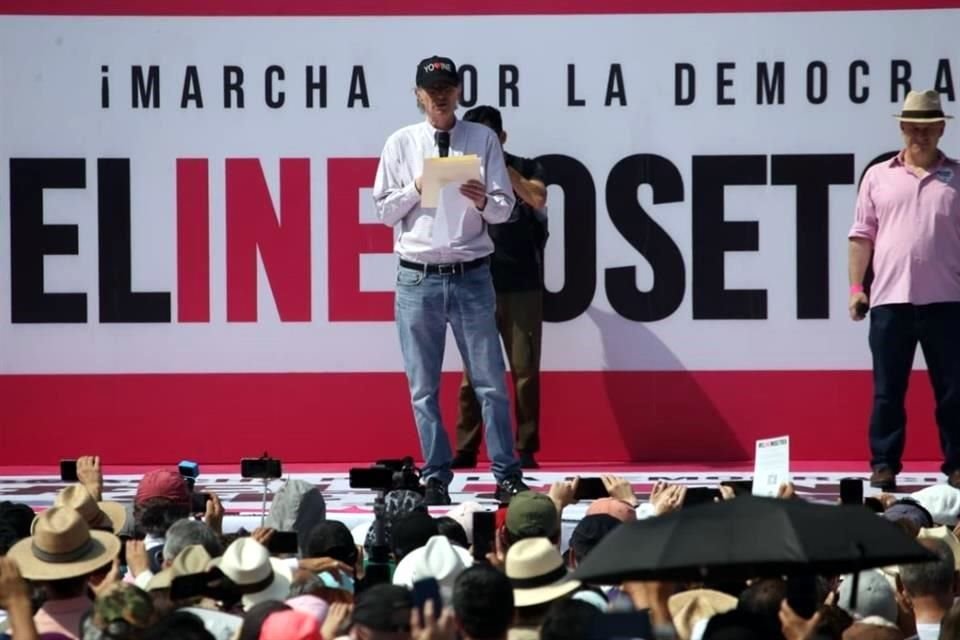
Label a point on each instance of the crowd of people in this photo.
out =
(164, 568)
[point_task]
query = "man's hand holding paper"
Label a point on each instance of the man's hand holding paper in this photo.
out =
(439, 172)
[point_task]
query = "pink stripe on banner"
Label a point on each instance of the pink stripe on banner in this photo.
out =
(444, 7)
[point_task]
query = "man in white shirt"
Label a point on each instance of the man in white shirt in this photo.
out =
(444, 277)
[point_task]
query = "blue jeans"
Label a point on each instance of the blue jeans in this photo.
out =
(895, 332)
(425, 303)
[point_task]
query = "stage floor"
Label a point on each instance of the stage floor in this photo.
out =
(243, 497)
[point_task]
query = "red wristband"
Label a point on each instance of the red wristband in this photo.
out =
(856, 288)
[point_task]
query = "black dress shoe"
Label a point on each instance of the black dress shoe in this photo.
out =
(527, 461)
(436, 494)
(509, 487)
(883, 478)
(464, 460)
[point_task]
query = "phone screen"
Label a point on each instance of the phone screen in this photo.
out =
(484, 534)
(424, 590)
(590, 489)
(283, 542)
(68, 470)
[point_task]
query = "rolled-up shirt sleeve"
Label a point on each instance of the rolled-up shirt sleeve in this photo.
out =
(865, 214)
(392, 198)
(500, 198)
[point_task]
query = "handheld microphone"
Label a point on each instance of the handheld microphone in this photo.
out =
(443, 143)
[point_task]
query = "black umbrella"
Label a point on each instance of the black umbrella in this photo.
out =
(750, 537)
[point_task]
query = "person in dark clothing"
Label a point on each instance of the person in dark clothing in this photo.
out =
(517, 268)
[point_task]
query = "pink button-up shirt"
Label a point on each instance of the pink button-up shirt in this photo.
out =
(914, 225)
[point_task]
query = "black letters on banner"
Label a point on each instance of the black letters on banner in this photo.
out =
(233, 86)
(117, 302)
(572, 99)
(944, 82)
(900, 72)
(770, 89)
(358, 88)
(274, 100)
(318, 85)
(509, 76)
(615, 88)
(723, 82)
(31, 240)
(580, 238)
(817, 82)
(812, 175)
(104, 87)
(861, 96)
(647, 237)
(145, 93)
(468, 85)
(713, 237)
(191, 88)
(684, 70)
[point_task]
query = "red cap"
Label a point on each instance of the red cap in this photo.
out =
(290, 625)
(162, 483)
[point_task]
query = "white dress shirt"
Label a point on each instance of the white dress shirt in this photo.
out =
(398, 202)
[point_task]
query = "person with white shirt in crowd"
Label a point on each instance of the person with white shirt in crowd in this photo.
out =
(444, 273)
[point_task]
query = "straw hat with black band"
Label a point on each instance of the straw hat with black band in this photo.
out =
(63, 546)
(922, 106)
(537, 572)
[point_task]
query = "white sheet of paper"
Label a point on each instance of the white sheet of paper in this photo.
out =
(771, 465)
(448, 221)
(439, 172)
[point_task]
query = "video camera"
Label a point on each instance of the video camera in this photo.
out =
(387, 475)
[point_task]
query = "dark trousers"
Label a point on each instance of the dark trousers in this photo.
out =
(895, 331)
(520, 322)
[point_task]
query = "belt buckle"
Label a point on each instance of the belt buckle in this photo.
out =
(448, 269)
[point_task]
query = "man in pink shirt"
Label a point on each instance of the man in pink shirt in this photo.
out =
(908, 223)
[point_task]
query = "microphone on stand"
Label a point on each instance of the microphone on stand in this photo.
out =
(443, 143)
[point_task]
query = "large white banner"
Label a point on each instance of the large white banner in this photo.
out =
(704, 171)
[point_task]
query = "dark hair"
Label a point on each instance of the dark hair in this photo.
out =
(179, 625)
(762, 600)
(930, 578)
(18, 516)
(8, 538)
(255, 616)
(65, 588)
(483, 602)
(154, 516)
(737, 625)
(331, 539)
(487, 115)
(453, 531)
(569, 620)
(411, 531)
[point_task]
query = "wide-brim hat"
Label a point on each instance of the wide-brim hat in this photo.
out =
(192, 560)
(257, 576)
(922, 106)
(98, 515)
(687, 608)
(438, 559)
(537, 573)
(63, 546)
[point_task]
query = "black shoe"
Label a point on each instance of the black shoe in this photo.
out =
(464, 460)
(436, 494)
(510, 487)
(527, 461)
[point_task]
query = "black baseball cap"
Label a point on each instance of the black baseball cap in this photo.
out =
(437, 71)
